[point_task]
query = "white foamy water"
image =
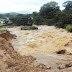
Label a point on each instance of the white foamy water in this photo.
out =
(45, 39)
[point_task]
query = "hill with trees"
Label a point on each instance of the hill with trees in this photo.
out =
(49, 14)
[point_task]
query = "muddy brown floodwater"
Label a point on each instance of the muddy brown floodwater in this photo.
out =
(43, 45)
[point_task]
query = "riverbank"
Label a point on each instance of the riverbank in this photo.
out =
(35, 50)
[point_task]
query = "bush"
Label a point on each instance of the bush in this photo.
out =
(59, 24)
(28, 28)
(69, 28)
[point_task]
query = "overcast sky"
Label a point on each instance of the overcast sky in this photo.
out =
(24, 5)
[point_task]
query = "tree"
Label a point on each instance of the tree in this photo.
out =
(34, 14)
(18, 20)
(38, 20)
(13, 19)
(1, 16)
(67, 5)
(6, 21)
(22, 19)
(62, 19)
(49, 10)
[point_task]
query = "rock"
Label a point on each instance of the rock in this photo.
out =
(35, 28)
(61, 52)
(68, 65)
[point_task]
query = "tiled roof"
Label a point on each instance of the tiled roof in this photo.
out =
(2, 19)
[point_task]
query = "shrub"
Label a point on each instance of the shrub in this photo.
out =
(28, 28)
(69, 28)
(59, 24)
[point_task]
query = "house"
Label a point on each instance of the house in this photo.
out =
(2, 20)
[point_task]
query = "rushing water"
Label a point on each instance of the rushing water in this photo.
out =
(45, 39)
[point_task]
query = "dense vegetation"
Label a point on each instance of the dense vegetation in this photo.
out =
(28, 28)
(49, 14)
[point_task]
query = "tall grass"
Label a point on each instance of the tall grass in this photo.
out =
(69, 28)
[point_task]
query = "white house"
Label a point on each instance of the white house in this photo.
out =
(2, 20)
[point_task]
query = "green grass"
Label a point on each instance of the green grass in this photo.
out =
(7, 26)
(69, 28)
(28, 28)
(1, 24)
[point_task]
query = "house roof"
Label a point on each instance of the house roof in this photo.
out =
(2, 19)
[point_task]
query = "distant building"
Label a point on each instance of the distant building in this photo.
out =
(2, 20)
(7, 18)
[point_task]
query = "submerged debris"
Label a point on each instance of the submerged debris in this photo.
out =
(61, 52)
